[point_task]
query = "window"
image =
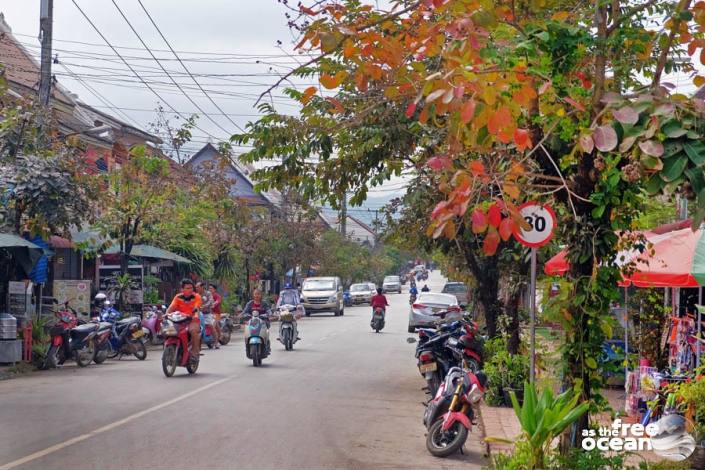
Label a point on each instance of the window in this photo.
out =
(319, 284)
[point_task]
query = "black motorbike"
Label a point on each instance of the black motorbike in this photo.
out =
(377, 322)
(226, 329)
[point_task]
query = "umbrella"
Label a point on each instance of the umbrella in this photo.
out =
(25, 253)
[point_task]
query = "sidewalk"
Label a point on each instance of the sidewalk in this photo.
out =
(499, 422)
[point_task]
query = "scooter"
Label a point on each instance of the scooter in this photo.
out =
(207, 329)
(378, 319)
(152, 321)
(288, 327)
(226, 329)
(450, 415)
(126, 335)
(257, 345)
(177, 344)
(70, 340)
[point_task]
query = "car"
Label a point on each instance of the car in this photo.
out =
(459, 290)
(361, 293)
(320, 294)
(373, 287)
(428, 304)
(391, 284)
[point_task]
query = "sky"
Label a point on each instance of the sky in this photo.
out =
(230, 46)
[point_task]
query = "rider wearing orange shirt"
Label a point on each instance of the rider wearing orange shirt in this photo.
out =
(188, 302)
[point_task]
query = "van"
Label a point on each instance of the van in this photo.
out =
(320, 294)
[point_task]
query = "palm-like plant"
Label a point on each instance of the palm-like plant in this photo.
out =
(544, 418)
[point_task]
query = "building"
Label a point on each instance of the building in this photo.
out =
(355, 229)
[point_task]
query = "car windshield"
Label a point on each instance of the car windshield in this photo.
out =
(455, 288)
(358, 288)
(319, 284)
(436, 299)
(391, 279)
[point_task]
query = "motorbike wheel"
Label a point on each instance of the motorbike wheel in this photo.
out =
(445, 443)
(433, 383)
(52, 358)
(286, 339)
(140, 350)
(210, 344)
(192, 367)
(112, 352)
(102, 353)
(254, 354)
(85, 356)
(169, 360)
(224, 337)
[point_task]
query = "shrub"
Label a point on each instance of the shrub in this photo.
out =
(503, 370)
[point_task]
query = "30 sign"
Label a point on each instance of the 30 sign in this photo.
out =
(541, 221)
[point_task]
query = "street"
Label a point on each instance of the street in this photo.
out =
(344, 398)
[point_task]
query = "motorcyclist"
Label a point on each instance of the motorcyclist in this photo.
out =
(257, 304)
(425, 288)
(217, 300)
(207, 303)
(288, 296)
(188, 302)
(378, 301)
(413, 292)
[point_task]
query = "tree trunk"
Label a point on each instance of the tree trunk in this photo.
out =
(511, 309)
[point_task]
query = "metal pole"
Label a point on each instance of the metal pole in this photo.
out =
(626, 332)
(700, 319)
(45, 35)
(532, 323)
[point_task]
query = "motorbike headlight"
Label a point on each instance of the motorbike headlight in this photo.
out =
(169, 331)
(475, 394)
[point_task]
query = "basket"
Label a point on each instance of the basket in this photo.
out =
(286, 317)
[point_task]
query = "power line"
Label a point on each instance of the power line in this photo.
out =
(130, 67)
(185, 68)
(193, 102)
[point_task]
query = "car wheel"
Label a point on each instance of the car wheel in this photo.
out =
(412, 329)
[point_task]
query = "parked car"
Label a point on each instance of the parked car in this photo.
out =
(459, 290)
(424, 312)
(373, 287)
(361, 293)
(392, 284)
(323, 294)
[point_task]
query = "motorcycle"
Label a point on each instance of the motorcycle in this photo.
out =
(126, 336)
(207, 329)
(177, 344)
(257, 345)
(412, 299)
(450, 415)
(152, 321)
(226, 328)
(70, 340)
(378, 319)
(288, 328)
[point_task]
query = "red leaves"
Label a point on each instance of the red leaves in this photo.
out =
(307, 10)
(477, 168)
(468, 111)
(587, 84)
(521, 139)
(439, 162)
(494, 216)
(574, 103)
(337, 105)
(491, 242)
(479, 221)
(506, 228)
(500, 119)
(411, 109)
(439, 209)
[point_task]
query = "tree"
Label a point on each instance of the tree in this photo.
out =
(561, 101)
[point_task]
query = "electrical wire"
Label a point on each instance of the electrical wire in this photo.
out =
(130, 67)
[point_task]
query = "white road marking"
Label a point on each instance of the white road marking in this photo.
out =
(108, 427)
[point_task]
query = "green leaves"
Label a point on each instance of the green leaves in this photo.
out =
(673, 167)
(695, 151)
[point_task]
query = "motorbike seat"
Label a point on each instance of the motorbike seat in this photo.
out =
(86, 328)
(126, 321)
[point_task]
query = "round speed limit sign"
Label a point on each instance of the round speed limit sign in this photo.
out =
(541, 221)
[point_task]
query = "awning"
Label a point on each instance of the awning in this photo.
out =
(149, 251)
(25, 253)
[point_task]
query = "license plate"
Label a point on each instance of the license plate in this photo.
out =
(428, 367)
(137, 334)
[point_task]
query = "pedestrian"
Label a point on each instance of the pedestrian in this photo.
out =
(217, 300)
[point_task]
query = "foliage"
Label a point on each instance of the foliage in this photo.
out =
(504, 370)
(119, 288)
(589, 460)
(351, 261)
(650, 316)
(151, 292)
(543, 418)
(174, 134)
(692, 394)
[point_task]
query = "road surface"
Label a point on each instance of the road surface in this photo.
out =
(345, 398)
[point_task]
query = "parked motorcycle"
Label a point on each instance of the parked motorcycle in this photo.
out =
(450, 415)
(70, 340)
(126, 336)
(226, 329)
(257, 345)
(288, 328)
(152, 321)
(378, 319)
(208, 329)
(177, 344)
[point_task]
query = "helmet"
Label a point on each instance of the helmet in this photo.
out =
(100, 299)
(288, 286)
(467, 342)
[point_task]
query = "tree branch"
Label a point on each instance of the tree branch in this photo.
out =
(663, 58)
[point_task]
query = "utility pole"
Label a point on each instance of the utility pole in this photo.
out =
(46, 19)
(344, 215)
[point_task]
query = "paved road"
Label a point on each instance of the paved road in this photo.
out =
(345, 398)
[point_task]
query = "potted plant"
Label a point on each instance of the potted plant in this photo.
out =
(692, 396)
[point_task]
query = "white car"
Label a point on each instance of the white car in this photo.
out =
(425, 311)
(361, 293)
(392, 284)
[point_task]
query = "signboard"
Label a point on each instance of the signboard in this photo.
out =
(541, 221)
(135, 296)
(76, 292)
(19, 299)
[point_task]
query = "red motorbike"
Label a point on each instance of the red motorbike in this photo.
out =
(177, 344)
(70, 340)
(450, 415)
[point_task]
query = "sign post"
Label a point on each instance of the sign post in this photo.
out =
(541, 221)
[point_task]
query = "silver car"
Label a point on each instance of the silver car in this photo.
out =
(392, 284)
(361, 293)
(424, 312)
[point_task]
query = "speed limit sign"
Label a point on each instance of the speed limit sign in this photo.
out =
(541, 222)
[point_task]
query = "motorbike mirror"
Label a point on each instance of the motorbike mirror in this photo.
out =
(411, 340)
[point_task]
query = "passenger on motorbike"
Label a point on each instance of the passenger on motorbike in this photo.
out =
(217, 299)
(207, 303)
(379, 301)
(259, 305)
(188, 302)
(425, 288)
(288, 296)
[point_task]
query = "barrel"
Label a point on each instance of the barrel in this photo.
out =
(8, 326)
